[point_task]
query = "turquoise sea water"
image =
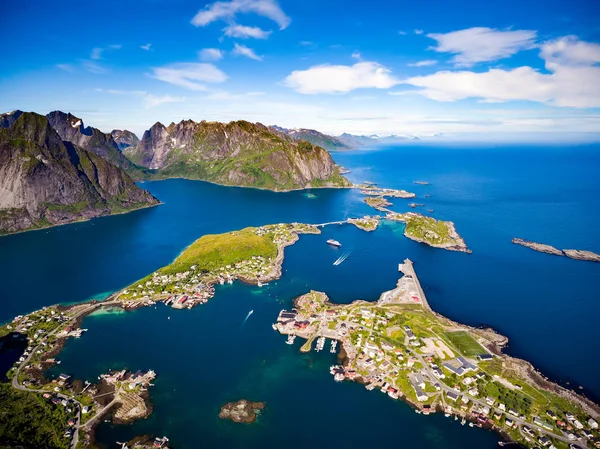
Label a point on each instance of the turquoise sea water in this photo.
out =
(205, 357)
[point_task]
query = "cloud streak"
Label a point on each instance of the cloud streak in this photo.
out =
(242, 50)
(481, 44)
(149, 100)
(189, 75)
(227, 10)
(425, 63)
(245, 32)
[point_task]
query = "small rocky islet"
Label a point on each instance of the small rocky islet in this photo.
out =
(242, 411)
(576, 254)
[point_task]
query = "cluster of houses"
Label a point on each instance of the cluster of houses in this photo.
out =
(379, 363)
(129, 379)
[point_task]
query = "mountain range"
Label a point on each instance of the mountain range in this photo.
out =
(55, 170)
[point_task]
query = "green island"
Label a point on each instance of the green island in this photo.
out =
(377, 202)
(428, 230)
(366, 223)
(400, 346)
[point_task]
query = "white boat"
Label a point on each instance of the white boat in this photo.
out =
(290, 339)
(334, 243)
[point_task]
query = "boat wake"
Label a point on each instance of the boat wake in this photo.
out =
(342, 258)
(247, 316)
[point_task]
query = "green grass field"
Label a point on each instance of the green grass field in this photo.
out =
(212, 252)
(465, 343)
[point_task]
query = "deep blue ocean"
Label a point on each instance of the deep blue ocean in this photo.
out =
(547, 305)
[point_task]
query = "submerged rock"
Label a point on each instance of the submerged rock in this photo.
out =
(241, 411)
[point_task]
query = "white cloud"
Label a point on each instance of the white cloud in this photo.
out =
(189, 75)
(418, 31)
(356, 55)
(569, 50)
(245, 32)
(482, 44)
(424, 63)
(96, 53)
(402, 33)
(210, 54)
(340, 78)
(146, 47)
(93, 67)
(149, 100)
(153, 100)
(65, 67)
(226, 10)
(242, 50)
(573, 81)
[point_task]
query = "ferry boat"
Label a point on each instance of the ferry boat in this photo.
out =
(334, 243)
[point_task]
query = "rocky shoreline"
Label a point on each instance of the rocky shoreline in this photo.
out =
(576, 254)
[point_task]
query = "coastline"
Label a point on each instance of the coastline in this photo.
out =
(82, 220)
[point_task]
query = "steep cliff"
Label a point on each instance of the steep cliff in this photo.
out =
(235, 153)
(45, 181)
(72, 129)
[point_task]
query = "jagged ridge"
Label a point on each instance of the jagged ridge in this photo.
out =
(72, 129)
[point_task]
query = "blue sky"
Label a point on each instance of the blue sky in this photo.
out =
(478, 68)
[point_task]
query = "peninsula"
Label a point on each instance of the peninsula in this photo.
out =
(572, 253)
(251, 255)
(400, 346)
(67, 407)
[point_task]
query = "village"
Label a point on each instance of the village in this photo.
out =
(81, 403)
(402, 348)
(190, 282)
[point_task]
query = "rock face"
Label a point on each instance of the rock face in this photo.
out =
(317, 138)
(541, 247)
(236, 153)
(72, 129)
(45, 181)
(8, 118)
(582, 255)
(124, 138)
(572, 253)
(241, 411)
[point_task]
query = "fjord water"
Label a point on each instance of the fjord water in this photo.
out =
(546, 305)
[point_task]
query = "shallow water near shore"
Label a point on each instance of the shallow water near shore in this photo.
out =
(546, 305)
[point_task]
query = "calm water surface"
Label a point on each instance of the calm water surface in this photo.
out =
(546, 305)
